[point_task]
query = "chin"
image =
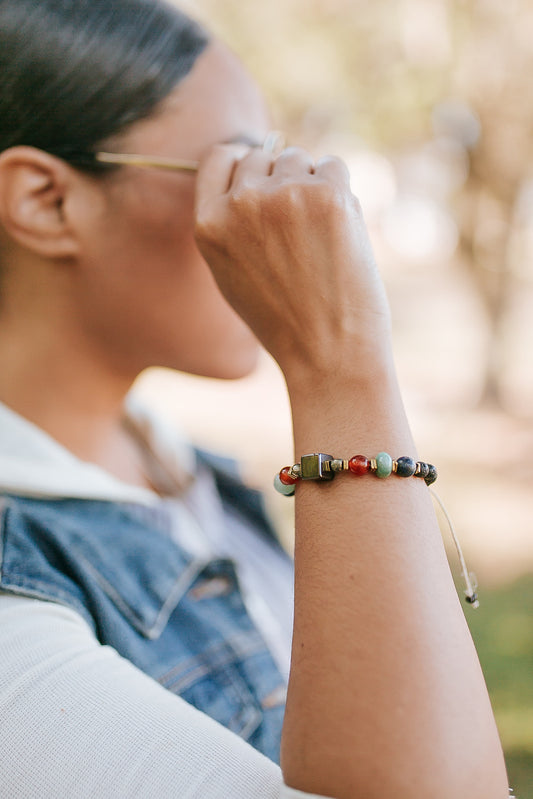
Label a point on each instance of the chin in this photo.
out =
(234, 366)
(232, 361)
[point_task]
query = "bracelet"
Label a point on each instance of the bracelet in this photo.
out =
(319, 466)
(322, 467)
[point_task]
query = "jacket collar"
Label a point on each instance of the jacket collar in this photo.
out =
(33, 464)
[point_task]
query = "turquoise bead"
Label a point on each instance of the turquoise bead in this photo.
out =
(384, 464)
(281, 488)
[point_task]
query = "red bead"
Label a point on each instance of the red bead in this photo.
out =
(359, 464)
(286, 478)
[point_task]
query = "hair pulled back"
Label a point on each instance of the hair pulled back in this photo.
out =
(74, 72)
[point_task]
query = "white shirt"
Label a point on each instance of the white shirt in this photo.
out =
(79, 721)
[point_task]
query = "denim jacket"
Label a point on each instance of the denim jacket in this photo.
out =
(179, 619)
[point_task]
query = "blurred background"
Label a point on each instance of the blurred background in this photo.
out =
(430, 103)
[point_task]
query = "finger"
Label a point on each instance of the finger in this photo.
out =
(256, 164)
(292, 162)
(216, 171)
(333, 169)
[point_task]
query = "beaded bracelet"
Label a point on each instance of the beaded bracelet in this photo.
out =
(322, 467)
(319, 466)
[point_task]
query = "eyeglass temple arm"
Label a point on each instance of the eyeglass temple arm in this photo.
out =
(131, 159)
(273, 143)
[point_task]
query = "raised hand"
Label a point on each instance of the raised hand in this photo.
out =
(288, 246)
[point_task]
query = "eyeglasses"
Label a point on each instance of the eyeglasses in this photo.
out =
(274, 143)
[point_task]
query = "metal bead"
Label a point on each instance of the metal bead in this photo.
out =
(471, 599)
(337, 465)
(315, 466)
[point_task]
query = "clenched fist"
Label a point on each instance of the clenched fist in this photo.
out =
(287, 244)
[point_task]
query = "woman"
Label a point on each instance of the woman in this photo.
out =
(144, 602)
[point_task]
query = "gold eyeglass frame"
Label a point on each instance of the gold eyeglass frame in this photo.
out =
(274, 143)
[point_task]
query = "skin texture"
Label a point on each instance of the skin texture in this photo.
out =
(102, 278)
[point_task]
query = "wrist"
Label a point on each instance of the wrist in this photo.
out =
(346, 413)
(352, 375)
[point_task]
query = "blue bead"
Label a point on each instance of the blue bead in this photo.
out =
(281, 488)
(431, 475)
(423, 470)
(406, 467)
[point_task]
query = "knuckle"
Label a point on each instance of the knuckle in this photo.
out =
(287, 200)
(315, 198)
(208, 228)
(334, 160)
(291, 193)
(356, 204)
(332, 196)
(244, 199)
(205, 232)
(292, 151)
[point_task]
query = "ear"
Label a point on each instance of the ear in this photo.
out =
(34, 194)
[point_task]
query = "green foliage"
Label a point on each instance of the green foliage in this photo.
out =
(503, 632)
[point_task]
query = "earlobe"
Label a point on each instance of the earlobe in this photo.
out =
(34, 189)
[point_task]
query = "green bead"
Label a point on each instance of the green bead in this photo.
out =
(384, 464)
(281, 488)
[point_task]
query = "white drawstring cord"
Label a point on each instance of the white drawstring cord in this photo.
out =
(469, 577)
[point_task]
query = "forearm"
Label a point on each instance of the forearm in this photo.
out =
(386, 696)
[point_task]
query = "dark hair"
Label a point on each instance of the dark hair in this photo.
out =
(74, 72)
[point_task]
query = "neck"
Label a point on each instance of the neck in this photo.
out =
(56, 382)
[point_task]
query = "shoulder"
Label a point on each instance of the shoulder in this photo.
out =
(73, 707)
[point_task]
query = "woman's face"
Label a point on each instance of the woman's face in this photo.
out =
(143, 291)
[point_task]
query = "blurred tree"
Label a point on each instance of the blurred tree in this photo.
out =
(492, 73)
(396, 75)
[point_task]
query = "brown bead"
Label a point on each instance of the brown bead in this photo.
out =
(286, 478)
(359, 464)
